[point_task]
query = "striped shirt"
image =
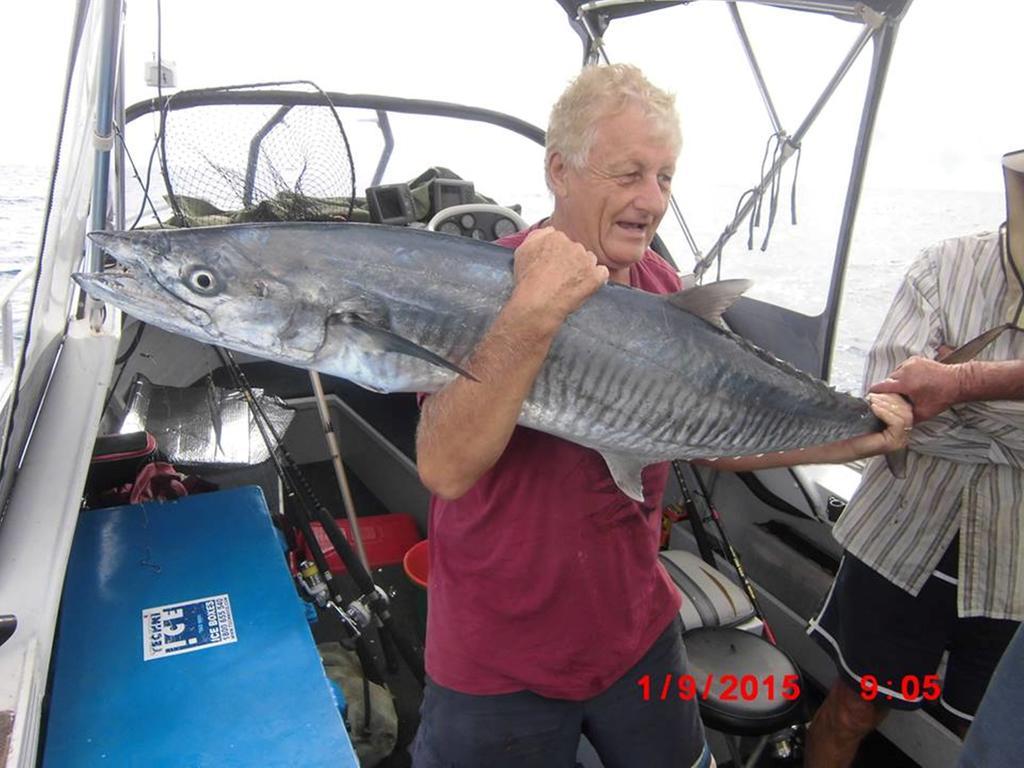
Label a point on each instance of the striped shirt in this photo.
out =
(965, 468)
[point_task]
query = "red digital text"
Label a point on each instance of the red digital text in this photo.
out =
(719, 687)
(908, 687)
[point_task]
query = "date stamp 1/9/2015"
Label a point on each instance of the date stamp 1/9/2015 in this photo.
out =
(720, 687)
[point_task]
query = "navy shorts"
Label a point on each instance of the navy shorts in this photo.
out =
(524, 730)
(873, 628)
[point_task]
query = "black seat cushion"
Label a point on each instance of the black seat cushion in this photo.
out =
(747, 695)
(709, 598)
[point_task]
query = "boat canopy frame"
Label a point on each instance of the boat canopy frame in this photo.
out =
(267, 94)
(809, 341)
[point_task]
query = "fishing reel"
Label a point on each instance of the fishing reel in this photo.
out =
(361, 612)
(357, 615)
(313, 583)
(787, 745)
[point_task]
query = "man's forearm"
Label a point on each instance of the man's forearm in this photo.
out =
(933, 386)
(894, 413)
(831, 453)
(991, 380)
(465, 426)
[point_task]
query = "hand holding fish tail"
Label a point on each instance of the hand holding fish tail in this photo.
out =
(897, 415)
(555, 276)
(929, 385)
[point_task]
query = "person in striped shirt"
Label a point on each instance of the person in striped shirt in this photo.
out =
(934, 562)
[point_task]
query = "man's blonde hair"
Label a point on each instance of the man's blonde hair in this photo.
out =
(599, 92)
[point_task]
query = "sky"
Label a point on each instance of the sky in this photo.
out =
(947, 111)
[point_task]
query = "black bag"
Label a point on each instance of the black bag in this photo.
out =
(116, 460)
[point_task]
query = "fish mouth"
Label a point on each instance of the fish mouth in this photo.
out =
(106, 286)
(131, 283)
(125, 290)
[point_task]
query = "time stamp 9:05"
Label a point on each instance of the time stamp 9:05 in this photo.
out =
(751, 687)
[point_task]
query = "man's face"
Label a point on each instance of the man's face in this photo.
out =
(613, 205)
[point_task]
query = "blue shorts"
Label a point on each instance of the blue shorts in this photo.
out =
(524, 730)
(873, 628)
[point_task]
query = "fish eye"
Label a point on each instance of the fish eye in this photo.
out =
(202, 281)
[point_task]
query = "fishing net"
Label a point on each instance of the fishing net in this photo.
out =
(245, 162)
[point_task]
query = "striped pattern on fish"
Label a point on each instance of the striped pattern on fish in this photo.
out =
(634, 375)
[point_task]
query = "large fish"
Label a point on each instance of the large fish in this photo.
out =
(639, 377)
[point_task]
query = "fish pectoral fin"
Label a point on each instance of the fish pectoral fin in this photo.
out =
(709, 301)
(627, 473)
(973, 348)
(386, 340)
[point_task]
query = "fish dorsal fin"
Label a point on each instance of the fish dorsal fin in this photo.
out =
(627, 472)
(711, 300)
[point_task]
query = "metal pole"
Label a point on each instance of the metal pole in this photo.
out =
(596, 45)
(384, 123)
(254, 153)
(862, 40)
(339, 468)
(761, 85)
(119, 175)
(104, 134)
(687, 234)
(884, 43)
(103, 140)
(789, 147)
(8, 321)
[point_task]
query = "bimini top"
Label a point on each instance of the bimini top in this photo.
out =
(845, 9)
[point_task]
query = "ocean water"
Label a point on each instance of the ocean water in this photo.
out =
(22, 198)
(892, 227)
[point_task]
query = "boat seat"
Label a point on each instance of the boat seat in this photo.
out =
(751, 707)
(709, 598)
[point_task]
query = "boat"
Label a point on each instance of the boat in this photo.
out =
(84, 368)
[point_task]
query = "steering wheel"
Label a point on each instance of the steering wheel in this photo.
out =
(477, 220)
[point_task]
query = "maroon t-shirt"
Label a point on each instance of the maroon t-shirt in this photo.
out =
(544, 576)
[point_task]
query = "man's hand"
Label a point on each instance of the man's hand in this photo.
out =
(554, 276)
(930, 385)
(895, 413)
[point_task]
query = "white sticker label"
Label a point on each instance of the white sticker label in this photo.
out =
(194, 625)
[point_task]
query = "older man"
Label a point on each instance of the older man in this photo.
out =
(547, 603)
(935, 561)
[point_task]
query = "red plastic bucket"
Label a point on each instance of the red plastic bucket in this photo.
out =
(417, 563)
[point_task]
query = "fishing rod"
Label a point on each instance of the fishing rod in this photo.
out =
(319, 575)
(700, 533)
(298, 517)
(373, 603)
(339, 468)
(730, 553)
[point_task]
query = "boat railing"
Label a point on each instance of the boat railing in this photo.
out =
(7, 319)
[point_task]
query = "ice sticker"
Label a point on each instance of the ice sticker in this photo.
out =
(193, 625)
